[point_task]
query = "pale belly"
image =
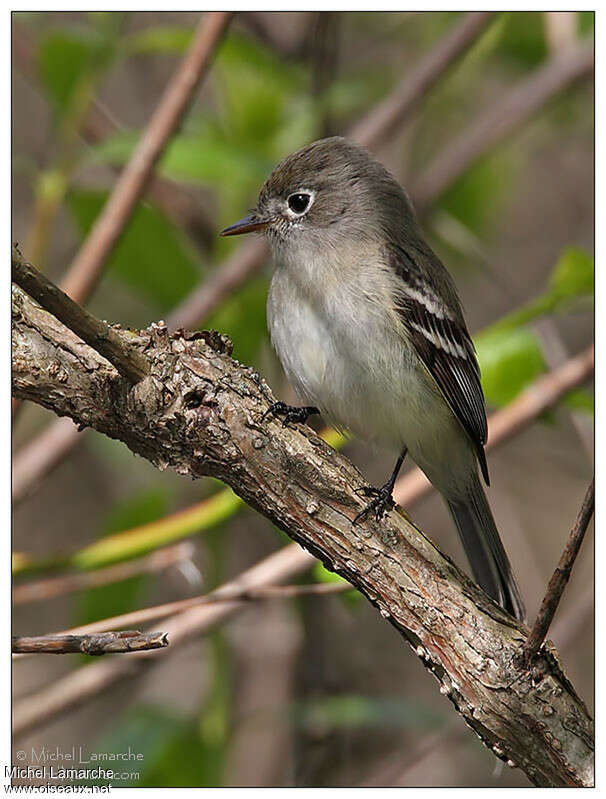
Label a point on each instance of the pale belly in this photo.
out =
(364, 378)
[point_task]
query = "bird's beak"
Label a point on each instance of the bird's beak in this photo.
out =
(246, 225)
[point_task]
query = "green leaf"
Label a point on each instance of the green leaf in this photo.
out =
(242, 54)
(510, 359)
(586, 22)
(160, 39)
(66, 58)
(137, 509)
(572, 276)
(523, 39)
(259, 93)
(323, 575)
(580, 400)
(572, 279)
(151, 257)
(478, 195)
(201, 157)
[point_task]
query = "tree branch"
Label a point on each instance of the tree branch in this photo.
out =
(560, 577)
(200, 413)
(129, 362)
(97, 644)
(223, 594)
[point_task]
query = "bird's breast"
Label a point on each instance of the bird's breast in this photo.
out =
(342, 352)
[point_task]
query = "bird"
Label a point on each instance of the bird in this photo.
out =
(369, 328)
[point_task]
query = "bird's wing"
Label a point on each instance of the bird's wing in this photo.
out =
(440, 337)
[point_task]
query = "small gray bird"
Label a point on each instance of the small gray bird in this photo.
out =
(369, 329)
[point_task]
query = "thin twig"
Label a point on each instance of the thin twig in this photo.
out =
(556, 353)
(129, 362)
(221, 595)
(500, 120)
(560, 577)
(97, 644)
(50, 587)
(384, 120)
(87, 266)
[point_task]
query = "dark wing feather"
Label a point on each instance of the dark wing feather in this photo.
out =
(440, 337)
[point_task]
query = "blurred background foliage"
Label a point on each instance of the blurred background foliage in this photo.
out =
(516, 231)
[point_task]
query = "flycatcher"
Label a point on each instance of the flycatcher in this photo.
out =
(369, 328)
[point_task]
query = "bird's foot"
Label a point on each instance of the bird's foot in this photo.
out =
(381, 502)
(289, 413)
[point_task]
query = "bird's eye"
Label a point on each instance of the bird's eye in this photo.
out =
(299, 203)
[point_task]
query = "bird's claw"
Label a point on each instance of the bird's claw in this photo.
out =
(366, 491)
(289, 413)
(381, 503)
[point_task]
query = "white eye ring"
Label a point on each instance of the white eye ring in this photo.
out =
(299, 202)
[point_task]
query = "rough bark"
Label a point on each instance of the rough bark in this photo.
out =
(104, 643)
(199, 412)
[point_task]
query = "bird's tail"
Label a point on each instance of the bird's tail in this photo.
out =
(485, 552)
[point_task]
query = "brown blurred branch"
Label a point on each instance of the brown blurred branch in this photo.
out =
(86, 268)
(232, 273)
(129, 362)
(41, 455)
(97, 644)
(384, 120)
(257, 24)
(200, 413)
(560, 577)
(500, 120)
(50, 587)
(224, 594)
(556, 353)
